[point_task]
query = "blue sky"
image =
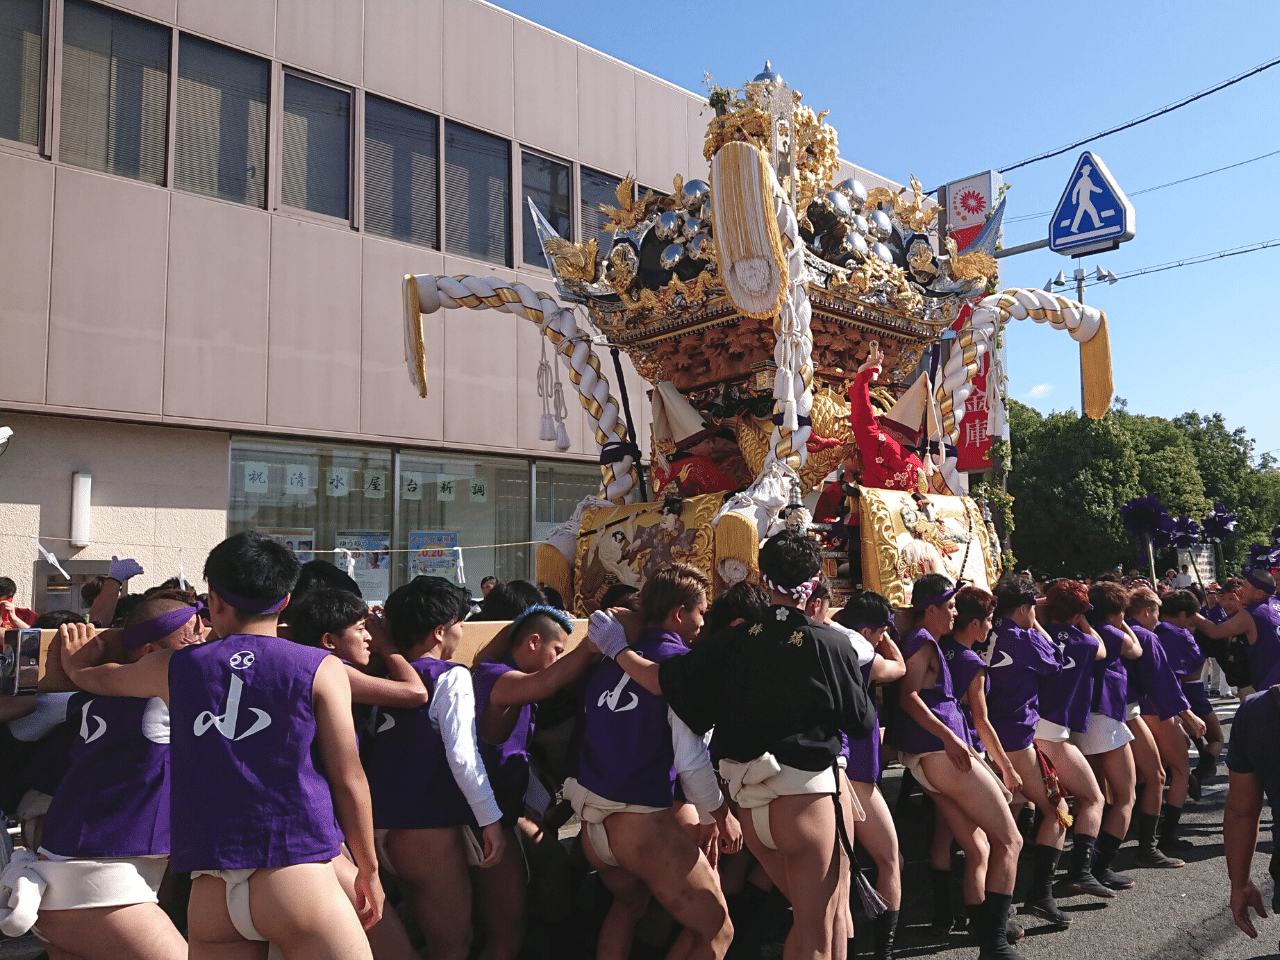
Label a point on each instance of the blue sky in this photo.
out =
(944, 90)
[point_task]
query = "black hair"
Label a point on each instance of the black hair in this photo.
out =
(673, 505)
(488, 579)
(506, 600)
(742, 601)
(7, 588)
(415, 610)
(252, 566)
(865, 607)
(620, 595)
(553, 597)
(125, 607)
(173, 583)
(90, 589)
(1010, 592)
(56, 618)
(789, 559)
(1179, 601)
(930, 585)
(1198, 591)
(822, 589)
(324, 610)
(322, 573)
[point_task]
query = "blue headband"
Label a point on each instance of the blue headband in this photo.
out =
(252, 605)
(921, 603)
(559, 616)
(1268, 588)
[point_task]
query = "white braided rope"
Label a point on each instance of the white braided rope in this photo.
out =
(978, 336)
(792, 353)
(560, 326)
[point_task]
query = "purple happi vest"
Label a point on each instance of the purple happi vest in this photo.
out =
(1065, 699)
(507, 763)
(626, 753)
(1265, 652)
(1021, 659)
(1110, 679)
(114, 799)
(1152, 683)
(410, 779)
(907, 735)
(1180, 649)
(963, 663)
(247, 786)
(863, 756)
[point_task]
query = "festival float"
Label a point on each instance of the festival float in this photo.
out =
(749, 304)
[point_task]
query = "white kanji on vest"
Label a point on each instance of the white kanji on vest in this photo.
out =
(84, 724)
(611, 698)
(226, 723)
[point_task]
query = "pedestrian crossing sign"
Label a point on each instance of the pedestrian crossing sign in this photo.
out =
(1093, 214)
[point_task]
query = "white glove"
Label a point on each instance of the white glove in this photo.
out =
(607, 634)
(122, 570)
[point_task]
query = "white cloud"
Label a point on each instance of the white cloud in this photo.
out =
(1040, 390)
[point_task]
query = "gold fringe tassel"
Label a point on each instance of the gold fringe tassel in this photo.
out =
(1095, 372)
(746, 229)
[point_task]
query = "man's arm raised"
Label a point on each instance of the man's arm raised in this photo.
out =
(83, 648)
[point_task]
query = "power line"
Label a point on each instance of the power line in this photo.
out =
(1147, 116)
(1192, 261)
(1171, 183)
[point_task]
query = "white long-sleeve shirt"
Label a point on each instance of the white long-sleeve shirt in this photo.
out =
(453, 708)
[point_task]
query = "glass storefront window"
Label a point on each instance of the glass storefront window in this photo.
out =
(315, 498)
(559, 488)
(447, 501)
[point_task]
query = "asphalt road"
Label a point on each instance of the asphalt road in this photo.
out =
(1170, 915)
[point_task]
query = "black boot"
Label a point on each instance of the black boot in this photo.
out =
(993, 939)
(1206, 766)
(1149, 855)
(942, 914)
(1082, 879)
(1040, 902)
(1170, 820)
(886, 925)
(1104, 853)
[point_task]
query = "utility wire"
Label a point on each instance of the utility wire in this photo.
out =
(1171, 183)
(1169, 108)
(1190, 261)
(1147, 116)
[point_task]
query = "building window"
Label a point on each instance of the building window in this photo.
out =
(560, 487)
(597, 188)
(221, 147)
(316, 140)
(21, 70)
(546, 182)
(401, 172)
(115, 92)
(468, 502)
(477, 194)
(315, 499)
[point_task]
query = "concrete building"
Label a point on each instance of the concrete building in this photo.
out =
(208, 207)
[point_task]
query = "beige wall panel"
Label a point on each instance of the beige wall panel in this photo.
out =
(479, 49)
(606, 114)
(324, 36)
(154, 489)
(402, 43)
(699, 115)
(546, 88)
(110, 243)
(163, 10)
(245, 23)
(219, 292)
(479, 369)
(313, 365)
(662, 148)
(25, 238)
(389, 403)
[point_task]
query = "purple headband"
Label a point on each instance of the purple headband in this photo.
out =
(249, 604)
(1257, 581)
(157, 628)
(1029, 597)
(922, 603)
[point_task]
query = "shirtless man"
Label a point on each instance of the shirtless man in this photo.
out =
(253, 815)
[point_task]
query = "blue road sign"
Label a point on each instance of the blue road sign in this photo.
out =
(1093, 214)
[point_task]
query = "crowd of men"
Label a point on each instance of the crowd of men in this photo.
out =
(272, 768)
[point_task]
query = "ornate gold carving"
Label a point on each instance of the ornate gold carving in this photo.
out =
(629, 211)
(974, 265)
(573, 261)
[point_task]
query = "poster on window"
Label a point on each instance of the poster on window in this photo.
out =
(431, 553)
(299, 541)
(370, 549)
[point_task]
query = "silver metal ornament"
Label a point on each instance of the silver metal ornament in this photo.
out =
(838, 203)
(881, 225)
(694, 195)
(671, 255)
(668, 226)
(852, 188)
(699, 248)
(858, 224)
(883, 252)
(692, 227)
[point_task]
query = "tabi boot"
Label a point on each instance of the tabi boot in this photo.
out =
(1149, 855)
(1170, 822)
(1081, 879)
(1103, 855)
(1040, 902)
(993, 917)
(885, 927)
